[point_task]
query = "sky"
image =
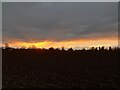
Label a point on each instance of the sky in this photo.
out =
(58, 24)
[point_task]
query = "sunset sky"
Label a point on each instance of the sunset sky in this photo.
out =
(68, 24)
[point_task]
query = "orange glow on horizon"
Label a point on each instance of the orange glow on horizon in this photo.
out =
(67, 44)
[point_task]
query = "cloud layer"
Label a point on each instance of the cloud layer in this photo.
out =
(59, 21)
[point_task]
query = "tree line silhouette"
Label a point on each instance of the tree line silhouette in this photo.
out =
(60, 68)
(6, 46)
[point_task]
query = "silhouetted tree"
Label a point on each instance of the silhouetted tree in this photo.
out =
(102, 48)
(51, 49)
(63, 48)
(99, 48)
(95, 49)
(70, 49)
(92, 48)
(110, 48)
(57, 49)
(7, 46)
(83, 49)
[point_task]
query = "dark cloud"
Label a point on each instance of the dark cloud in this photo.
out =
(59, 21)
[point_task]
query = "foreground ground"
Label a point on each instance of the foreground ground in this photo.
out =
(60, 69)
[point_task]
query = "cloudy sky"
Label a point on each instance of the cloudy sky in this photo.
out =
(71, 24)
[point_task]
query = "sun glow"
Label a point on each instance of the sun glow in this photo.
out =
(79, 43)
(30, 44)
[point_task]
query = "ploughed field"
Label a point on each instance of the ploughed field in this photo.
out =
(60, 69)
